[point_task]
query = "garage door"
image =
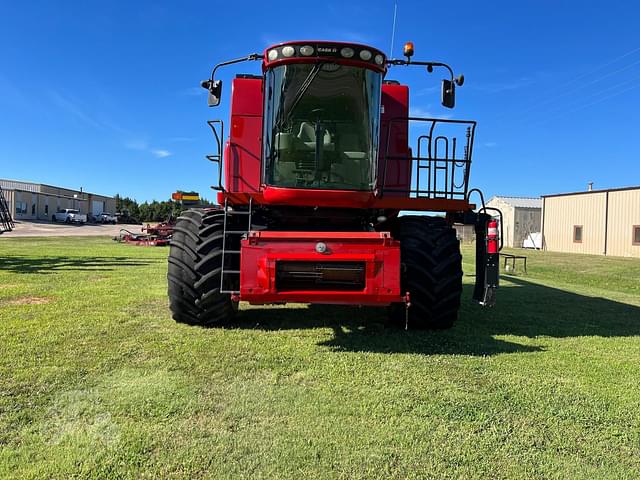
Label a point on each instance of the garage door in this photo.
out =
(97, 207)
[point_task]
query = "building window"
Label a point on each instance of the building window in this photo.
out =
(33, 209)
(636, 234)
(577, 234)
(21, 208)
(46, 209)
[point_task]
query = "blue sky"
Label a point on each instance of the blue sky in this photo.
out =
(105, 95)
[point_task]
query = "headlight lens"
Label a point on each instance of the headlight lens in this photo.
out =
(347, 52)
(365, 55)
(272, 55)
(288, 51)
(306, 50)
(379, 59)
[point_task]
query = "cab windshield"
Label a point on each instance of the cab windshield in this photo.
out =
(321, 126)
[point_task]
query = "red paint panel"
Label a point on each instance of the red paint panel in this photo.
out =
(347, 201)
(262, 250)
(423, 204)
(313, 198)
(383, 238)
(246, 96)
(243, 152)
(395, 142)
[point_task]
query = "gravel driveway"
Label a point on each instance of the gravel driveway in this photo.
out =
(47, 229)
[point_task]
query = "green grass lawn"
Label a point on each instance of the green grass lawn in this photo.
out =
(97, 381)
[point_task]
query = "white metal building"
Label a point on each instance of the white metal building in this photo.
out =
(38, 201)
(521, 217)
(600, 222)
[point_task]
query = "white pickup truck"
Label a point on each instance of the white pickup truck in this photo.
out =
(69, 215)
(106, 218)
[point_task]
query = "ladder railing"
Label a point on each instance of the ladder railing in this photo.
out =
(227, 274)
(6, 221)
(441, 167)
(217, 127)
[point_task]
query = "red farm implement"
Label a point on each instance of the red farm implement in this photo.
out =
(158, 235)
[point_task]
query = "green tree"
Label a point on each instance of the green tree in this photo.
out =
(153, 211)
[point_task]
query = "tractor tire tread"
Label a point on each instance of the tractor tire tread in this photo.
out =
(195, 264)
(432, 270)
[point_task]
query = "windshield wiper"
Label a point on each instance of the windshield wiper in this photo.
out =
(301, 91)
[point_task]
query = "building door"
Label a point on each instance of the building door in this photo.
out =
(21, 205)
(97, 207)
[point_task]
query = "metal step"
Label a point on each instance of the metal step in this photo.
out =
(228, 214)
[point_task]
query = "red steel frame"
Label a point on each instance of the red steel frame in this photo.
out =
(342, 199)
(263, 249)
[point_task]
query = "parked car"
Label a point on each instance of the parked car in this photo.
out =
(69, 215)
(105, 217)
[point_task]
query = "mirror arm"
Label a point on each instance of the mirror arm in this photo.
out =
(208, 83)
(429, 65)
(437, 64)
(253, 56)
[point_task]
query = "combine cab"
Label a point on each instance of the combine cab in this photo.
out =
(317, 167)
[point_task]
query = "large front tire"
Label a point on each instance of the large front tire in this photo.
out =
(195, 265)
(431, 271)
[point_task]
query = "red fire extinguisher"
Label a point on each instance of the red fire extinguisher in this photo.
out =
(492, 236)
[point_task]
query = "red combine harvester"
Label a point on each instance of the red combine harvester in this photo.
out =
(317, 168)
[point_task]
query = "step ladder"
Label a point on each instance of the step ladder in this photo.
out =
(6, 222)
(230, 215)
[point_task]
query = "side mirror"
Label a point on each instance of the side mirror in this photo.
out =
(215, 91)
(448, 97)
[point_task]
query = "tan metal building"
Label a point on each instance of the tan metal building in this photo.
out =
(521, 217)
(38, 201)
(465, 233)
(599, 222)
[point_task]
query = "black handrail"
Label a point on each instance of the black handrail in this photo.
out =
(217, 157)
(449, 163)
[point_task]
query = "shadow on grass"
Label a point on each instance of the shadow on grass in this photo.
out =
(524, 309)
(45, 265)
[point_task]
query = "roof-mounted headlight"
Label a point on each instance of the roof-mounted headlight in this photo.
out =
(306, 50)
(365, 55)
(379, 59)
(288, 51)
(272, 55)
(347, 52)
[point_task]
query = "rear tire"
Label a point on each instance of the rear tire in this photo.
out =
(431, 272)
(195, 263)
